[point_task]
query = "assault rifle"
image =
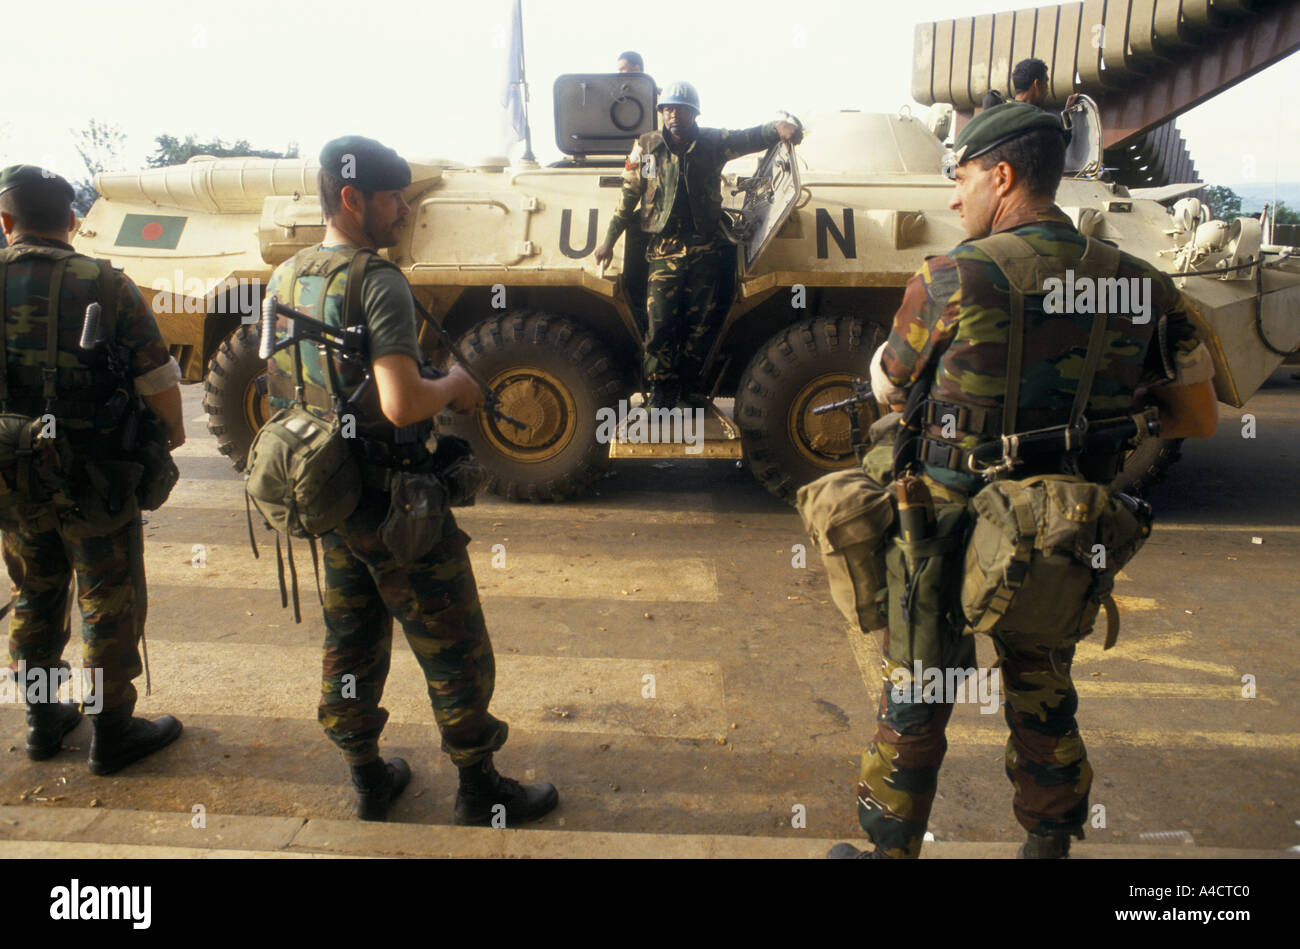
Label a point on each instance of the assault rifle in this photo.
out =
(352, 344)
(862, 395)
(1104, 436)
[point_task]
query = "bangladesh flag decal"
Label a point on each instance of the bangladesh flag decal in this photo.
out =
(150, 230)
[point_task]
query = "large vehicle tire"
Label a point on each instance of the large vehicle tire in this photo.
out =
(552, 375)
(234, 395)
(807, 365)
(1146, 465)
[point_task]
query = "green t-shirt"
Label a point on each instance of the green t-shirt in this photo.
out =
(387, 309)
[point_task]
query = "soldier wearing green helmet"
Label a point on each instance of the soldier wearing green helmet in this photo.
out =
(975, 354)
(674, 175)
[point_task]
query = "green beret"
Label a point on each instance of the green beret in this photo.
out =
(24, 176)
(999, 125)
(365, 164)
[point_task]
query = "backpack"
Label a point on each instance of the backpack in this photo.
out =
(303, 475)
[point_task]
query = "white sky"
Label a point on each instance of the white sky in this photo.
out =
(426, 77)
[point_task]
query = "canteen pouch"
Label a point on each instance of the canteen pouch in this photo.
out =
(416, 510)
(848, 516)
(160, 473)
(302, 475)
(1043, 556)
(925, 584)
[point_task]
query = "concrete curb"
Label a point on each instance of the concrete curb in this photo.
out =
(63, 833)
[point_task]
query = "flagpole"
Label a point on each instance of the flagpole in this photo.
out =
(523, 82)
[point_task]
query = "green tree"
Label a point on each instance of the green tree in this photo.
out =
(1286, 215)
(100, 147)
(1225, 204)
(173, 151)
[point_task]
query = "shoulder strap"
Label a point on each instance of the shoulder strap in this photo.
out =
(50, 371)
(1106, 260)
(356, 278)
(110, 289)
(1008, 251)
(4, 352)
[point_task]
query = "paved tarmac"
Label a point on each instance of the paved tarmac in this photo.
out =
(688, 572)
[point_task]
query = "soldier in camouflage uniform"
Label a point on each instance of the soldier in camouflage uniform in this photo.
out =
(45, 544)
(951, 336)
(675, 177)
(366, 585)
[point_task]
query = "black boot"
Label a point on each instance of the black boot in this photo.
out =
(1045, 847)
(47, 724)
(850, 852)
(118, 740)
(378, 784)
(482, 789)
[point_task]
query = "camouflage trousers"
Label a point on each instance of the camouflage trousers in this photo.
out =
(436, 602)
(110, 592)
(1045, 757)
(682, 310)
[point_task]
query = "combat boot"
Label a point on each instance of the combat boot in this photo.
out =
(1045, 847)
(47, 724)
(850, 852)
(118, 739)
(482, 789)
(378, 784)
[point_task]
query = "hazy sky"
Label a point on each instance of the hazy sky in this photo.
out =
(426, 77)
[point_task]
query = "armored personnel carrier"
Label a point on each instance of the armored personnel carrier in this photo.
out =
(828, 235)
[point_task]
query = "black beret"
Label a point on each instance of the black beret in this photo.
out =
(1001, 124)
(365, 164)
(24, 176)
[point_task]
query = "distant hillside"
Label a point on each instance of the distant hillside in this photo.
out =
(1255, 194)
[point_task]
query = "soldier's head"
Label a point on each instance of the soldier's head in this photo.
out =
(360, 184)
(630, 62)
(1029, 79)
(1009, 156)
(35, 202)
(677, 111)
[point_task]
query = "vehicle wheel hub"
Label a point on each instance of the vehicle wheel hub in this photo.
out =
(825, 440)
(545, 406)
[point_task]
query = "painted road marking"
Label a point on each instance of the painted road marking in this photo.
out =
(231, 567)
(535, 693)
(693, 507)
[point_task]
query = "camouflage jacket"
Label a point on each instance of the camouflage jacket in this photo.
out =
(86, 383)
(952, 332)
(653, 172)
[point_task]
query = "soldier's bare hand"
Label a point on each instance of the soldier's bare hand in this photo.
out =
(604, 254)
(789, 132)
(466, 397)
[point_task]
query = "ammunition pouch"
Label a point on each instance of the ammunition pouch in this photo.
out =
(105, 497)
(1043, 557)
(35, 472)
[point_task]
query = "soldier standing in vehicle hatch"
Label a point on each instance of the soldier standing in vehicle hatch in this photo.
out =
(687, 248)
